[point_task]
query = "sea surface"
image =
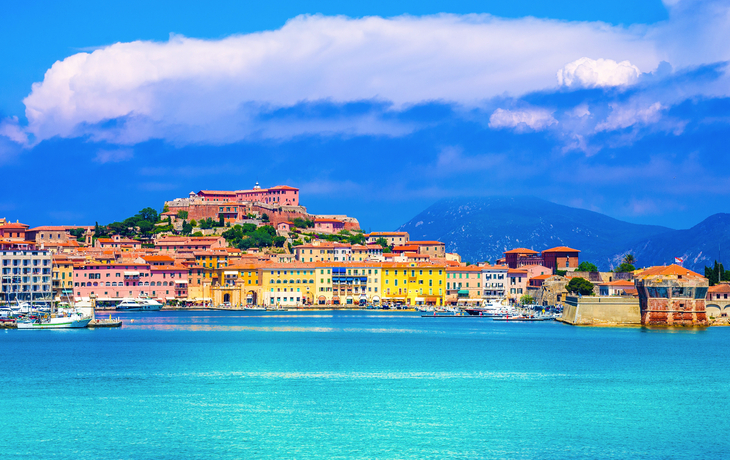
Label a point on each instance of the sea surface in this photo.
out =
(228, 385)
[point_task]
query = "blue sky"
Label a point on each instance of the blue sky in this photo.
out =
(375, 110)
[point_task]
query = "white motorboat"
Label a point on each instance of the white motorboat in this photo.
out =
(142, 304)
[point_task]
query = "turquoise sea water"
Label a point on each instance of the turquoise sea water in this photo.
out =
(362, 385)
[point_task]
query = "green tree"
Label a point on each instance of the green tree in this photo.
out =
(715, 273)
(186, 228)
(629, 259)
(148, 214)
(527, 299)
(264, 217)
(580, 286)
(193, 223)
(182, 214)
(587, 267)
(166, 208)
(624, 268)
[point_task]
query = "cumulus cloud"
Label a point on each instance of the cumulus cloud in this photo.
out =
(624, 116)
(593, 73)
(535, 119)
(191, 90)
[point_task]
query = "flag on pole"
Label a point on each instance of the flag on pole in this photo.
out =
(678, 260)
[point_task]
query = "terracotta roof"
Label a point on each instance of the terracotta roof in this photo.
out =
(283, 187)
(541, 277)
(719, 289)
(217, 192)
(521, 251)
(619, 283)
(517, 271)
(425, 243)
(668, 270)
(561, 249)
(158, 259)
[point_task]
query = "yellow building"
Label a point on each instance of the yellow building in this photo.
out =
(287, 285)
(211, 259)
(62, 278)
(352, 283)
(413, 283)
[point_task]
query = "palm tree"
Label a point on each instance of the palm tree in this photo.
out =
(629, 259)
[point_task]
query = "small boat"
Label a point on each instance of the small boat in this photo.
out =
(72, 321)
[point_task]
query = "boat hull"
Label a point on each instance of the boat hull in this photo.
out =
(62, 323)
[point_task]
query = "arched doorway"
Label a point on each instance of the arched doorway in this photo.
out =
(226, 298)
(251, 298)
(322, 300)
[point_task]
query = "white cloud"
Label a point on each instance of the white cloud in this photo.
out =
(624, 116)
(593, 73)
(535, 119)
(113, 156)
(188, 90)
(10, 129)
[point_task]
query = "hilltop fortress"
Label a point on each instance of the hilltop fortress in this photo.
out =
(280, 204)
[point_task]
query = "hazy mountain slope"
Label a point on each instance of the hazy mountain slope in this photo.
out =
(483, 228)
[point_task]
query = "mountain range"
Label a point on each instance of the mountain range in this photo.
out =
(481, 229)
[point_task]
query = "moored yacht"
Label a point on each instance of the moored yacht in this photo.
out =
(141, 304)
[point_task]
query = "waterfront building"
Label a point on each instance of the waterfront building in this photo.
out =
(26, 274)
(494, 278)
(117, 280)
(718, 301)
(62, 278)
(323, 283)
(351, 283)
(516, 284)
(413, 283)
(287, 285)
(561, 258)
(672, 296)
(463, 285)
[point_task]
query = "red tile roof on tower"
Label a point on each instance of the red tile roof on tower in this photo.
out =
(521, 251)
(668, 270)
(561, 249)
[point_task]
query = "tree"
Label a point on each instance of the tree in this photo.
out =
(527, 299)
(580, 286)
(193, 223)
(624, 268)
(629, 259)
(166, 208)
(587, 267)
(148, 214)
(182, 215)
(264, 217)
(715, 273)
(186, 228)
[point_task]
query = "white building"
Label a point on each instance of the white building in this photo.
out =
(26, 276)
(494, 278)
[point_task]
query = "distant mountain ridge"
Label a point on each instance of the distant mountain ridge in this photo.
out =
(483, 228)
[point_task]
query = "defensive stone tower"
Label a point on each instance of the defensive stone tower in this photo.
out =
(672, 296)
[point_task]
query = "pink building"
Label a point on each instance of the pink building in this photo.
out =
(516, 284)
(120, 280)
(328, 225)
(117, 242)
(281, 195)
(190, 243)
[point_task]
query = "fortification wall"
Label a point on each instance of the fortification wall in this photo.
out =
(602, 311)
